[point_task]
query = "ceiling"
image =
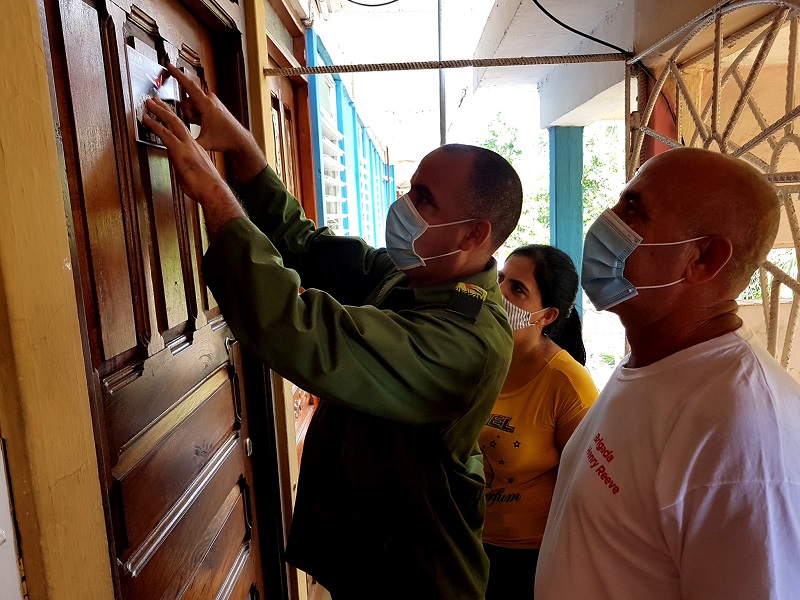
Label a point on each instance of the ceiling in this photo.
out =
(402, 107)
(520, 28)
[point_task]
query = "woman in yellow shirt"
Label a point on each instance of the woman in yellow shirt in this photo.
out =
(545, 395)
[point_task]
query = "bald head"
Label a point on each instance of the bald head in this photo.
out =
(714, 194)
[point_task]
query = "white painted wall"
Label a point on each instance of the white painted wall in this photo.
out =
(579, 94)
(10, 584)
(584, 94)
(752, 314)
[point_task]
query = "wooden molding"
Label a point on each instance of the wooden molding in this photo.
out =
(289, 18)
(44, 406)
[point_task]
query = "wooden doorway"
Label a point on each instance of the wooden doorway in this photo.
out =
(289, 110)
(291, 129)
(288, 167)
(166, 376)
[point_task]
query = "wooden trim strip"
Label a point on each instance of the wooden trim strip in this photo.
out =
(281, 54)
(116, 381)
(146, 442)
(213, 531)
(288, 17)
(232, 579)
(221, 14)
(152, 543)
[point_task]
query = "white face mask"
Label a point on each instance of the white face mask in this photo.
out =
(518, 318)
(404, 226)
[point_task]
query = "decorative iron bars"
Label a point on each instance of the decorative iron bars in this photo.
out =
(730, 79)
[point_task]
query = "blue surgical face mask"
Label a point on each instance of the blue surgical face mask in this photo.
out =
(404, 226)
(609, 242)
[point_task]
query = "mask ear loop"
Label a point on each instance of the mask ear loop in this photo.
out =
(536, 312)
(452, 223)
(656, 287)
(443, 225)
(442, 255)
(702, 237)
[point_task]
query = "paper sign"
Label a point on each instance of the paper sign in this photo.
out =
(149, 80)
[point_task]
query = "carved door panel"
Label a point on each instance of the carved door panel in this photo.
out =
(171, 418)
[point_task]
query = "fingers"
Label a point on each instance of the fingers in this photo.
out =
(169, 118)
(165, 134)
(189, 85)
(190, 111)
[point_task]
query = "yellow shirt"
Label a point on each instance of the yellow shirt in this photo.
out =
(520, 456)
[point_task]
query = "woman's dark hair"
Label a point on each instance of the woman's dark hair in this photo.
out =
(557, 279)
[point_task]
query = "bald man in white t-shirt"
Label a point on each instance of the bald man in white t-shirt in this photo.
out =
(683, 481)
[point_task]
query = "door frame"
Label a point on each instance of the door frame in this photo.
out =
(45, 413)
(44, 410)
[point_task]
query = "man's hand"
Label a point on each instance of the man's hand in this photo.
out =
(219, 129)
(196, 173)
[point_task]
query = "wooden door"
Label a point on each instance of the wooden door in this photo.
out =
(284, 129)
(169, 401)
(286, 134)
(291, 127)
(285, 114)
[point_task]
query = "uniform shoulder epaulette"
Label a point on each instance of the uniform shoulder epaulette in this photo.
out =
(467, 300)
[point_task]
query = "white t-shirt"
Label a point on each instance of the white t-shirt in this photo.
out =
(682, 482)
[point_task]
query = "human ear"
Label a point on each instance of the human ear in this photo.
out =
(712, 254)
(550, 315)
(480, 231)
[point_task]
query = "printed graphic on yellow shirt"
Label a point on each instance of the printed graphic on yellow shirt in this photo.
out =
(495, 492)
(520, 454)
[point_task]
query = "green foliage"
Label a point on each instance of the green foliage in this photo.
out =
(603, 169)
(503, 139)
(602, 179)
(534, 222)
(783, 258)
(608, 359)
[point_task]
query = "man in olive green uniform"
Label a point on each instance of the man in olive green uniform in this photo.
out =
(407, 346)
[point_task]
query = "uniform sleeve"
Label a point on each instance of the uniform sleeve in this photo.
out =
(400, 366)
(736, 540)
(345, 267)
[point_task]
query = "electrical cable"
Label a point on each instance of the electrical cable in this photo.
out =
(372, 5)
(580, 33)
(609, 45)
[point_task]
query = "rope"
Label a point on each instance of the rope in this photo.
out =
(448, 64)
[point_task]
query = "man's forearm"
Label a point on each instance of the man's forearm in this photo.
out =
(246, 159)
(219, 206)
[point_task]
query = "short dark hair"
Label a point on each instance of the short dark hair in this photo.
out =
(495, 191)
(557, 279)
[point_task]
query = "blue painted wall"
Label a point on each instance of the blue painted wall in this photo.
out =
(566, 195)
(366, 209)
(316, 134)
